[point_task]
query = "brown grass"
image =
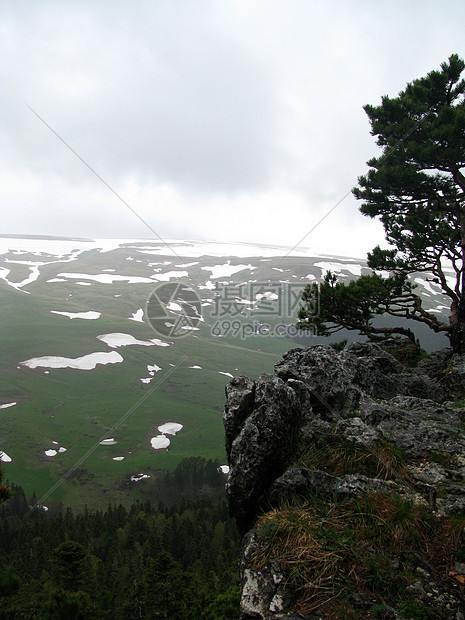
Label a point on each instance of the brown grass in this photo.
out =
(328, 550)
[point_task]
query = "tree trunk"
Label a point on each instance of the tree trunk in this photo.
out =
(458, 346)
(457, 324)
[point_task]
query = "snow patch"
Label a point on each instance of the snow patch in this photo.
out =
(170, 428)
(160, 442)
(139, 477)
(123, 340)
(338, 268)
(164, 277)
(173, 306)
(428, 285)
(106, 278)
(226, 270)
(86, 362)
(208, 286)
(137, 316)
(91, 315)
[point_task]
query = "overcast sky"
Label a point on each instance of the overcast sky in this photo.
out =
(228, 120)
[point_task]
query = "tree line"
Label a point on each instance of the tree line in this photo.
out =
(145, 561)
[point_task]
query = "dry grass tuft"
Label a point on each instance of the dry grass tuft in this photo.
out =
(339, 458)
(332, 550)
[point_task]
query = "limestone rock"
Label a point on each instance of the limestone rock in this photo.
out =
(262, 433)
(264, 594)
(361, 397)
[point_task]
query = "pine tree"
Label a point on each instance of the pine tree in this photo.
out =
(417, 189)
(5, 491)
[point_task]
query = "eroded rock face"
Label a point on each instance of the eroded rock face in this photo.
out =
(261, 438)
(337, 381)
(361, 396)
(317, 392)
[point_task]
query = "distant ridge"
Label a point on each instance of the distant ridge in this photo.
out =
(223, 248)
(45, 237)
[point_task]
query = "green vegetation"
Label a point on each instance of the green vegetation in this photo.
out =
(417, 188)
(5, 491)
(173, 563)
(338, 457)
(343, 554)
(76, 408)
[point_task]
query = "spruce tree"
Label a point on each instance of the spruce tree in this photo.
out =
(5, 491)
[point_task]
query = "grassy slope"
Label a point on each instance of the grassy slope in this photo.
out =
(76, 408)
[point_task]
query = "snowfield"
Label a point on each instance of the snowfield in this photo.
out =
(338, 268)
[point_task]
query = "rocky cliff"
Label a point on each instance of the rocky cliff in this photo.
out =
(347, 480)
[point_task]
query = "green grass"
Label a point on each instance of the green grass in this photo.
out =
(369, 546)
(76, 408)
(340, 457)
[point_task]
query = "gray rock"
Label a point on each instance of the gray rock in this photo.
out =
(388, 613)
(455, 373)
(240, 398)
(419, 426)
(337, 382)
(357, 431)
(264, 592)
(435, 364)
(429, 473)
(460, 568)
(452, 500)
(300, 481)
(317, 396)
(357, 484)
(329, 382)
(416, 589)
(380, 375)
(261, 445)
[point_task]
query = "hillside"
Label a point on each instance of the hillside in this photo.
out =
(94, 401)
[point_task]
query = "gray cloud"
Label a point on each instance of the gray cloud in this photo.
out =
(200, 110)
